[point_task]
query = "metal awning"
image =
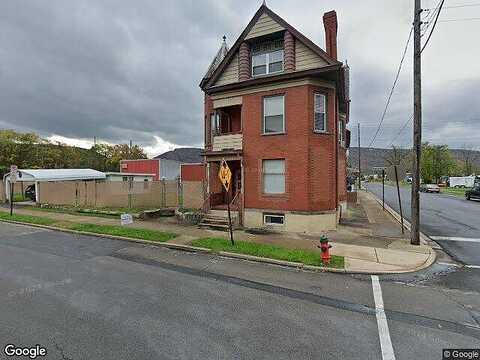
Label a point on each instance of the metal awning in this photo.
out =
(57, 175)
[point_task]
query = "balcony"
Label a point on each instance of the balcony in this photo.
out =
(227, 142)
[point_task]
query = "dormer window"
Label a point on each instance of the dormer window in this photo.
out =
(267, 58)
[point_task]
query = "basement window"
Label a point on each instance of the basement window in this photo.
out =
(273, 219)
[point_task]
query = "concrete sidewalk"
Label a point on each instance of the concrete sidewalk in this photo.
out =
(369, 238)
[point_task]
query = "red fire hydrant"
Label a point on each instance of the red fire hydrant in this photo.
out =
(325, 248)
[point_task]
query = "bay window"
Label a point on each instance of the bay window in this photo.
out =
(320, 113)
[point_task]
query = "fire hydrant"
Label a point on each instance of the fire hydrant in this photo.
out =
(325, 248)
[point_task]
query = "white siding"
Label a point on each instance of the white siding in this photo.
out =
(230, 73)
(264, 25)
(169, 169)
(306, 59)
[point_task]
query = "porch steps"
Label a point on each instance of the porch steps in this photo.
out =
(216, 222)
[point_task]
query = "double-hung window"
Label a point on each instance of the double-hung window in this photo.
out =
(274, 176)
(267, 57)
(274, 115)
(267, 63)
(341, 132)
(214, 125)
(320, 113)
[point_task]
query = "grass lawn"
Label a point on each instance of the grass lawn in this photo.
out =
(26, 218)
(17, 197)
(307, 257)
(71, 211)
(454, 191)
(117, 230)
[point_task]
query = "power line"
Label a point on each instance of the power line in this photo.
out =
(393, 87)
(428, 21)
(466, 19)
(457, 6)
(401, 130)
(433, 28)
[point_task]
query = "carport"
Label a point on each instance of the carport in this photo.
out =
(43, 175)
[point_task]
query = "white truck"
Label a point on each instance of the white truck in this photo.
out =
(462, 181)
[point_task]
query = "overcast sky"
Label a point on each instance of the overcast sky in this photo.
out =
(123, 69)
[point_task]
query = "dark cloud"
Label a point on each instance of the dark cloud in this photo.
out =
(122, 69)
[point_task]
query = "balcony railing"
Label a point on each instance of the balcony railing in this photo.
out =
(227, 142)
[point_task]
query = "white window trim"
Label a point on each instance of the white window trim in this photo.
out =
(341, 132)
(263, 119)
(325, 129)
(284, 178)
(274, 215)
(268, 63)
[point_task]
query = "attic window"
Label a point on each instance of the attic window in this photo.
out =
(267, 57)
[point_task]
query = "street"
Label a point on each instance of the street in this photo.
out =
(451, 221)
(85, 297)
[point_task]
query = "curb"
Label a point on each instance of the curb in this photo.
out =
(187, 248)
(424, 239)
(180, 247)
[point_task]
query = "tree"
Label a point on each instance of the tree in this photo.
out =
(468, 157)
(436, 161)
(28, 150)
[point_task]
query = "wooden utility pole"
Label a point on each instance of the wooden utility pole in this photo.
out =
(399, 198)
(359, 168)
(417, 124)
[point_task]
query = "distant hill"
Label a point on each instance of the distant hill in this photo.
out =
(184, 155)
(373, 157)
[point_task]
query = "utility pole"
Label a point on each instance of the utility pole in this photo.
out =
(417, 124)
(359, 168)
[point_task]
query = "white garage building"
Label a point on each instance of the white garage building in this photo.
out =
(42, 175)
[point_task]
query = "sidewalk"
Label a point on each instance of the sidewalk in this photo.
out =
(368, 238)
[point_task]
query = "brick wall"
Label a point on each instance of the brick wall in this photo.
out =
(309, 157)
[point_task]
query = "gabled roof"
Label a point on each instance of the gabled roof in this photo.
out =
(207, 82)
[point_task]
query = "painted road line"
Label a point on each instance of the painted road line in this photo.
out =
(472, 266)
(453, 238)
(383, 332)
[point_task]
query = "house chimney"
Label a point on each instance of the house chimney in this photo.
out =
(331, 25)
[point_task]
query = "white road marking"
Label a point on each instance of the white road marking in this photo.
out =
(383, 332)
(473, 266)
(449, 264)
(454, 238)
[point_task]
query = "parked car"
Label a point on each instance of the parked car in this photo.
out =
(30, 192)
(473, 193)
(430, 188)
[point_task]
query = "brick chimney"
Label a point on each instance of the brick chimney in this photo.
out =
(331, 25)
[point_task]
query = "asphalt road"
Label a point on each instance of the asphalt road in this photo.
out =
(92, 298)
(451, 221)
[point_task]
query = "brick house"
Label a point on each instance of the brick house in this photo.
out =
(276, 109)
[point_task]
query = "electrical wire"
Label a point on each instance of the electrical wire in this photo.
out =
(393, 88)
(401, 130)
(466, 19)
(434, 24)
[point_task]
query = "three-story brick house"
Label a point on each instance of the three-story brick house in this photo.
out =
(276, 109)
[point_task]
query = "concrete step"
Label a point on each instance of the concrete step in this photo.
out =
(222, 227)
